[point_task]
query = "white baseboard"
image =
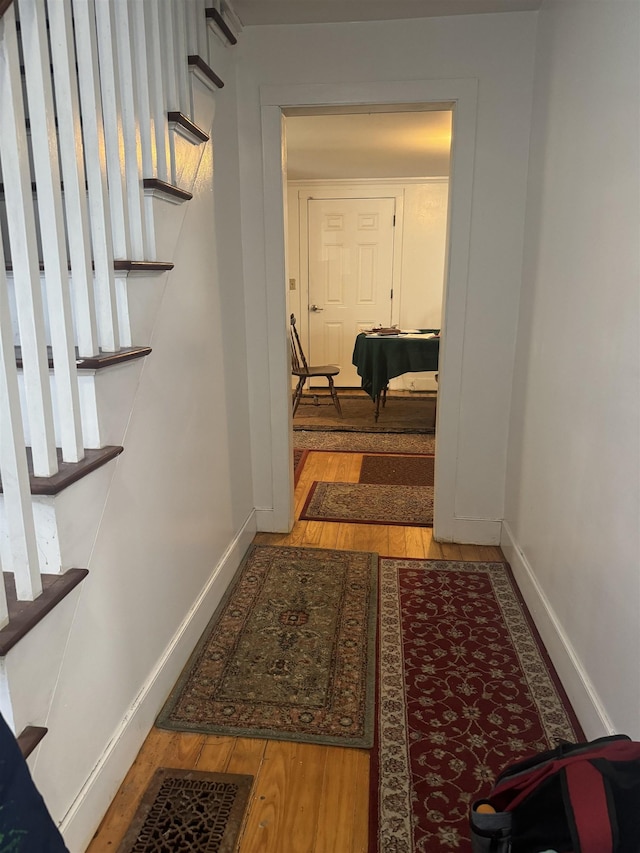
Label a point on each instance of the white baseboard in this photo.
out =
(87, 810)
(582, 694)
(476, 531)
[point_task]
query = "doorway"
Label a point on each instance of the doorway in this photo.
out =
(275, 497)
(367, 208)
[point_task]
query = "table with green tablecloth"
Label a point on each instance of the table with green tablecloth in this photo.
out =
(381, 358)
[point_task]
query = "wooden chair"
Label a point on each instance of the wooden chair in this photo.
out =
(301, 369)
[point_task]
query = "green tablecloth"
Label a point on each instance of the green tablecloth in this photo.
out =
(380, 359)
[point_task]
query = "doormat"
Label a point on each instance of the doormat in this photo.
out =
(289, 654)
(472, 691)
(364, 503)
(364, 442)
(186, 811)
(398, 470)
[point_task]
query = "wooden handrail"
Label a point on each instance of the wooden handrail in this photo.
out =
(4, 5)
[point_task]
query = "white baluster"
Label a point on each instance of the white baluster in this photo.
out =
(73, 175)
(19, 550)
(202, 48)
(4, 609)
(114, 143)
(169, 54)
(182, 69)
(52, 232)
(145, 121)
(96, 164)
(24, 251)
(130, 130)
(191, 10)
(155, 60)
(141, 70)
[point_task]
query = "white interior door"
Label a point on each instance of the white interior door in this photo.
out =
(350, 276)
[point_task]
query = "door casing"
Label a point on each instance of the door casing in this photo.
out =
(460, 95)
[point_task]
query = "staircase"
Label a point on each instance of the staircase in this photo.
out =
(106, 110)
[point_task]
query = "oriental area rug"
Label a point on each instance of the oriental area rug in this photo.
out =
(402, 414)
(464, 689)
(397, 470)
(363, 442)
(364, 503)
(289, 653)
(189, 810)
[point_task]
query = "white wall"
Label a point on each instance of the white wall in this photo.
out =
(179, 515)
(497, 52)
(573, 507)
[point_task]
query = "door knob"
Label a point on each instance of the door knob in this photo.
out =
(315, 308)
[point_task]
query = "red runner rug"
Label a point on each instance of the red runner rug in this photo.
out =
(464, 688)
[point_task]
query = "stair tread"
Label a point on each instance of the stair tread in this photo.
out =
(69, 472)
(25, 615)
(168, 189)
(119, 265)
(29, 738)
(195, 61)
(213, 15)
(185, 122)
(95, 362)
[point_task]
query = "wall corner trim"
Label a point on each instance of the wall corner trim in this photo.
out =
(582, 694)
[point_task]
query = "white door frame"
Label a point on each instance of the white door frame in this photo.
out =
(462, 94)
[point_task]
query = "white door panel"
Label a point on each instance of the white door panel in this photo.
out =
(350, 276)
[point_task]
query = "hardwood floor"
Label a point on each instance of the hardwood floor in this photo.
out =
(306, 798)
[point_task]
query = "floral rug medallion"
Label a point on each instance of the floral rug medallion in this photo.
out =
(289, 654)
(464, 689)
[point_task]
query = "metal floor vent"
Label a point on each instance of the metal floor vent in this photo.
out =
(185, 810)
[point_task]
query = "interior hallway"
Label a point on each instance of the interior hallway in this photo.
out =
(306, 798)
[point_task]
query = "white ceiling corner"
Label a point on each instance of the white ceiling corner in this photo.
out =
(262, 12)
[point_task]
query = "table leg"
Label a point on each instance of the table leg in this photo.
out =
(376, 413)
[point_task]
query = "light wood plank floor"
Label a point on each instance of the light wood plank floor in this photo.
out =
(306, 798)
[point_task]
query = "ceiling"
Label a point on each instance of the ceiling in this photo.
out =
(259, 12)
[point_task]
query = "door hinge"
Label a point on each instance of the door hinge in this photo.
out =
(391, 293)
(394, 220)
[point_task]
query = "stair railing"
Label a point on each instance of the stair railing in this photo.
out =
(113, 69)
